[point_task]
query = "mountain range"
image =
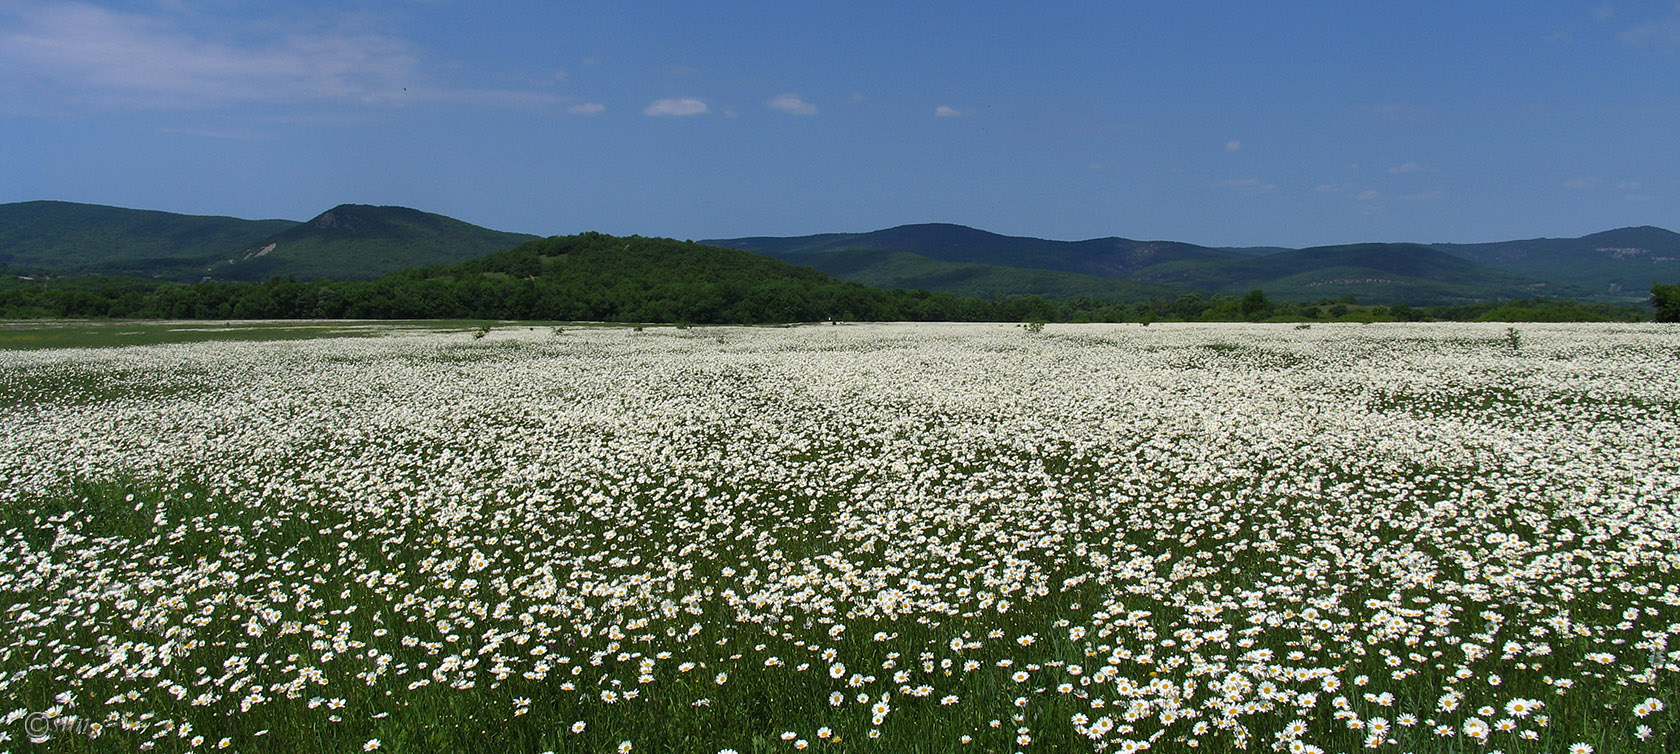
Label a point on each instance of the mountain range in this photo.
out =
(1617, 265)
(361, 242)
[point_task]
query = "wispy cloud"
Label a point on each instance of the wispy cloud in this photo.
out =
(1409, 167)
(1401, 112)
(1373, 195)
(587, 108)
(77, 53)
(231, 134)
(1233, 145)
(946, 111)
(677, 107)
(1247, 186)
(1662, 33)
(1635, 191)
(792, 104)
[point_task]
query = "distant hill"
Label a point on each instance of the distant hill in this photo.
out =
(592, 276)
(902, 269)
(1107, 257)
(1614, 264)
(361, 242)
(1593, 267)
(1373, 273)
(1395, 273)
(349, 242)
(66, 237)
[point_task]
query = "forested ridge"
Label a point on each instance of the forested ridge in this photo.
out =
(597, 277)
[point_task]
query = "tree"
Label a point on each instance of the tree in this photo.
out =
(1666, 298)
(1254, 304)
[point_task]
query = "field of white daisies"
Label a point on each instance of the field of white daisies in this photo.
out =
(863, 538)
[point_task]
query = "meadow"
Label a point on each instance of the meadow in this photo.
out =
(854, 538)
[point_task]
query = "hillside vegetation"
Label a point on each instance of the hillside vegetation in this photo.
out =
(64, 237)
(361, 242)
(347, 242)
(902, 269)
(591, 276)
(596, 277)
(1615, 266)
(948, 272)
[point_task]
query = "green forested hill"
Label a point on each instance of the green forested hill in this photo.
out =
(348, 242)
(599, 277)
(902, 269)
(605, 278)
(360, 242)
(1615, 264)
(1373, 273)
(932, 256)
(1107, 257)
(590, 277)
(66, 237)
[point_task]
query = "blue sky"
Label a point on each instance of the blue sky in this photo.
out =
(1215, 123)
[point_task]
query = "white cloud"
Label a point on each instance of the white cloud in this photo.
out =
(792, 104)
(677, 107)
(587, 108)
(1233, 145)
(946, 111)
(1410, 167)
(1368, 195)
(82, 54)
(855, 98)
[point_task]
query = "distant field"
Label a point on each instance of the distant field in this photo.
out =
(340, 536)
